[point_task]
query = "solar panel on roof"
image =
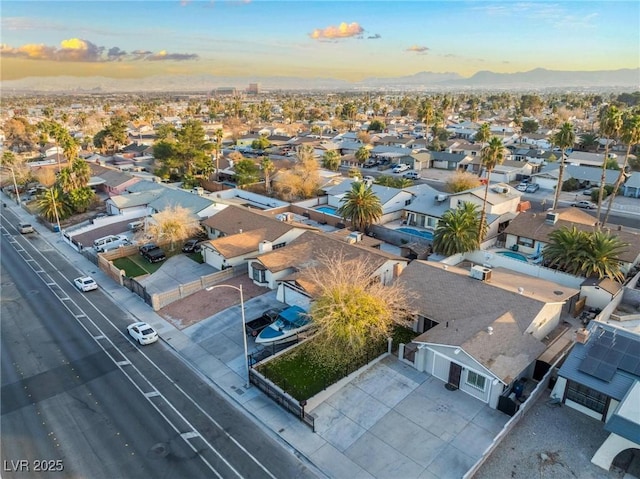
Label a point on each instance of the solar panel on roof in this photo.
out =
(605, 372)
(613, 357)
(597, 351)
(623, 344)
(636, 371)
(628, 363)
(589, 365)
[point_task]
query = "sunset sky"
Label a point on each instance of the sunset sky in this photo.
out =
(305, 38)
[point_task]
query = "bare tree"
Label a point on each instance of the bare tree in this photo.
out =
(173, 225)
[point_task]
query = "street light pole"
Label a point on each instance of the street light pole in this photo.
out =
(244, 335)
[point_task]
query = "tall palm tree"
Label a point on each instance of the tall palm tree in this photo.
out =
(457, 230)
(54, 205)
(492, 155)
(610, 124)
(9, 160)
(563, 139)
(482, 136)
(361, 206)
(218, 144)
(267, 167)
(602, 258)
(629, 134)
(565, 249)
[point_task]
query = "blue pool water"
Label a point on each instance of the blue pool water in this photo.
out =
(425, 234)
(514, 255)
(330, 210)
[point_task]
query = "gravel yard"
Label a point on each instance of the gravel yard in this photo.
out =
(568, 439)
(203, 304)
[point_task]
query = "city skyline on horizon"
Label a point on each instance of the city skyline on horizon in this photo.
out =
(358, 40)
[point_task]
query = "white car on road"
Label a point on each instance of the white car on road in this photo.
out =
(400, 168)
(85, 283)
(142, 332)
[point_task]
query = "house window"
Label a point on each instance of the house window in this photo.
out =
(259, 275)
(432, 222)
(586, 397)
(522, 241)
(475, 380)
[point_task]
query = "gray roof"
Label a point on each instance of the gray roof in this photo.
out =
(465, 308)
(384, 193)
(446, 156)
(633, 181)
(621, 381)
(163, 197)
(582, 173)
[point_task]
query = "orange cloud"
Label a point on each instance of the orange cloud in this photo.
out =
(417, 49)
(79, 50)
(344, 30)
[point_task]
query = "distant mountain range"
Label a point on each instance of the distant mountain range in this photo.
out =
(538, 79)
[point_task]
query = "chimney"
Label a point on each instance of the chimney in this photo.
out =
(582, 335)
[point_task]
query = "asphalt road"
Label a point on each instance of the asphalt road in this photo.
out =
(80, 399)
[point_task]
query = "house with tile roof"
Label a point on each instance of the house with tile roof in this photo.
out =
(529, 232)
(238, 233)
(284, 269)
(481, 334)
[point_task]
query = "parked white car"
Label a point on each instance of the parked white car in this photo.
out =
(85, 283)
(412, 175)
(142, 332)
(400, 168)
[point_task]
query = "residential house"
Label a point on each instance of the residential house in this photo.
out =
(529, 232)
(444, 160)
(599, 292)
(464, 148)
(393, 200)
(631, 187)
(538, 140)
(481, 333)
(284, 269)
(601, 378)
(428, 205)
(584, 158)
(111, 181)
(507, 172)
(146, 198)
(238, 233)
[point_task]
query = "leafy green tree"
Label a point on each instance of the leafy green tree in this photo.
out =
(362, 154)
(610, 125)
(376, 125)
(80, 199)
(491, 155)
(588, 141)
(246, 172)
(261, 143)
(361, 206)
(582, 253)
(457, 230)
(351, 311)
(630, 135)
(331, 160)
(563, 139)
(530, 126)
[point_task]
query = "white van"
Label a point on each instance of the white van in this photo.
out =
(110, 242)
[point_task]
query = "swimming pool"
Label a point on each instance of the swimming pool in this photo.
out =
(330, 210)
(514, 255)
(424, 234)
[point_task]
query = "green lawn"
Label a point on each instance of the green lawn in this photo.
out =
(300, 376)
(135, 265)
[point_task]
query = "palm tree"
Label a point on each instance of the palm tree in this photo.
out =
(602, 257)
(218, 144)
(361, 206)
(563, 139)
(589, 254)
(54, 206)
(630, 134)
(10, 161)
(362, 154)
(267, 167)
(482, 136)
(565, 249)
(457, 230)
(492, 155)
(610, 124)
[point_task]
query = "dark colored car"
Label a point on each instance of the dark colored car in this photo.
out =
(191, 246)
(254, 326)
(152, 253)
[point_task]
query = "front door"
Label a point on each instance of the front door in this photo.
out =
(454, 374)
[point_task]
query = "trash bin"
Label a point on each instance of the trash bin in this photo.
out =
(56, 229)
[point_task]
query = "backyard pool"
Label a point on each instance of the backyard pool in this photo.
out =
(514, 255)
(330, 210)
(424, 234)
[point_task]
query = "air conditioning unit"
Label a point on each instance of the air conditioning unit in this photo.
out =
(480, 272)
(441, 198)
(350, 239)
(551, 218)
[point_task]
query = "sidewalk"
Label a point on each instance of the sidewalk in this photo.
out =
(387, 421)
